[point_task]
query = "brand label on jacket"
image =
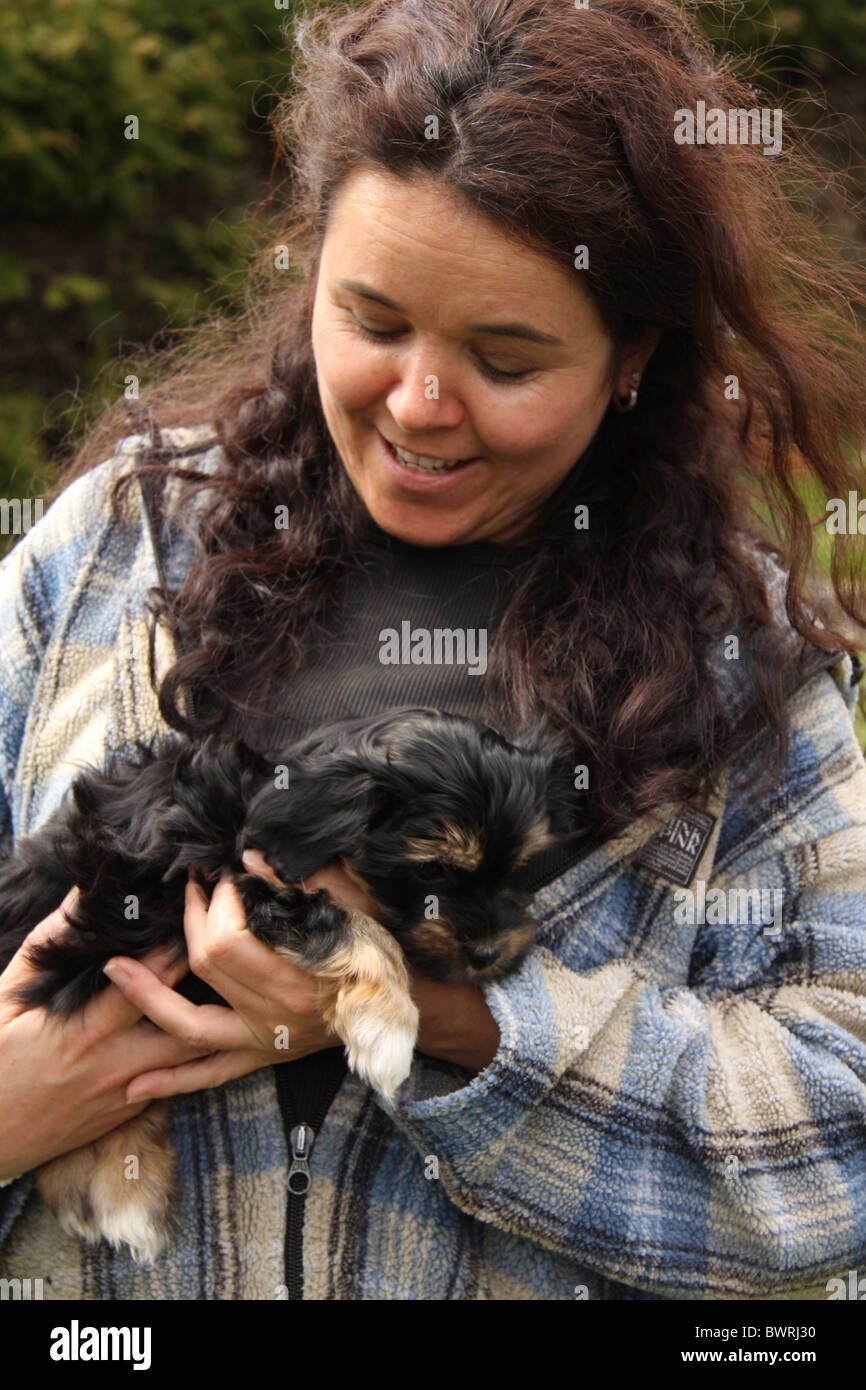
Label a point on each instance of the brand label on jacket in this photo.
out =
(675, 850)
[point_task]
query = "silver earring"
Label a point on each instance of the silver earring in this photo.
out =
(626, 403)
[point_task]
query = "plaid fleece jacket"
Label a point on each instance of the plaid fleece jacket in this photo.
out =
(677, 1109)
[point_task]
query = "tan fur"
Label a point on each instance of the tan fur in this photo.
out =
(456, 846)
(462, 848)
(436, 940)
(368, 1003)
(90, 1194)
(514, 943)
(350, 870)
(538, 837)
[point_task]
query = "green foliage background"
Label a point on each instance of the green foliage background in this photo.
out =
(108, 240)
(111, 243)
(816, 33)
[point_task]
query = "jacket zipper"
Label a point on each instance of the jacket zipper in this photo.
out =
(304, 1102)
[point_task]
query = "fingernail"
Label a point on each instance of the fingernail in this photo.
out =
(70, 900)
(116, 972)
(134, 1100)
(258, 865)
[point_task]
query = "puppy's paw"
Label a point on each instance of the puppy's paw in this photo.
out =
(380, 1032)
(64, 1184)
(370, 1007)
(119, 1188)
(139, 1221)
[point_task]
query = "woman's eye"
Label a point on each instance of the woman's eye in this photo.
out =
(377, 332)
(381, 335)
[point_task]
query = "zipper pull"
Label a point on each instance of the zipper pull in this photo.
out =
(299, 1178)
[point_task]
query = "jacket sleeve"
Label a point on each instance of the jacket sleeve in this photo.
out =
(65, 589)
(25, 622)
(37, 577)
(682, 1106)
(44, 580)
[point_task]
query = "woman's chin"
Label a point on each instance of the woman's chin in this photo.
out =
(420, 523)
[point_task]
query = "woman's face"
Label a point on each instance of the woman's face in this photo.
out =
(494, 354)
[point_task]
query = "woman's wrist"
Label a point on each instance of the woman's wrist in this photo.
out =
(455, 1023)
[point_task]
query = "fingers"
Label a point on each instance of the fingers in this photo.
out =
(115, 1008)
(151, 1048)
(255, 863)
(202, 1027)
(342, 889)
(170, 962)
(110, 1009)
(238, 966)
(20, 971)
(331, 876)
(212, 1070)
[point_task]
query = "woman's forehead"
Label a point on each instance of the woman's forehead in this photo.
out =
(416, 244)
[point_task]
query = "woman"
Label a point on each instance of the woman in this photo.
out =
(534, 354)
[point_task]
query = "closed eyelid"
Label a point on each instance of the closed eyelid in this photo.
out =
(384, 334)
(400, 328)
(494, 331)
(507, 330)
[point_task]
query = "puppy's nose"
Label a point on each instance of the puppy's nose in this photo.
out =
(482, 954)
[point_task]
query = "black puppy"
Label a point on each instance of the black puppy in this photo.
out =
(436, 816)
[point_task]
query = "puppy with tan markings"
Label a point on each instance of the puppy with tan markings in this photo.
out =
(437, 817)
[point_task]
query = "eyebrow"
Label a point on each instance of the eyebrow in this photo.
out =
(503, 330)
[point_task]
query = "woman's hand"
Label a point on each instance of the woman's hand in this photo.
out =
(63, 1083)
(455, 1023)
(275, 1012)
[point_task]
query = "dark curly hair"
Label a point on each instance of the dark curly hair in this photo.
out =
(551, 118)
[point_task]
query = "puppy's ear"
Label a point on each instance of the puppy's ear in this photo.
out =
(315, 810)
(536, 738)
(553, 767)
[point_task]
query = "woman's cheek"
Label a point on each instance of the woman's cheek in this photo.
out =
(339, 357)
(551, 424)
(351, 379)
(531, 431)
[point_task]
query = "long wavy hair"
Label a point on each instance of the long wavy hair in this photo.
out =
(557, 124)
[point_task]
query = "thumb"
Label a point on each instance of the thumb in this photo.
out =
(20, 970)
(255, 863)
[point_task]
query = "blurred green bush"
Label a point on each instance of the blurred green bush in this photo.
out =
(109, 239)
(813, 34)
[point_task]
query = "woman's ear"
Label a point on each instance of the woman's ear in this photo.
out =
(638, 354)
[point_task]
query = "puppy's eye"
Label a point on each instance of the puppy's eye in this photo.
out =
(429, 868)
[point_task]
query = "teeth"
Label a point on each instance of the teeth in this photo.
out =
(426, 464)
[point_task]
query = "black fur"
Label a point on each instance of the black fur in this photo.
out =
(358, 790)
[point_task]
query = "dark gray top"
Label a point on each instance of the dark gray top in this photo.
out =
(382, 650)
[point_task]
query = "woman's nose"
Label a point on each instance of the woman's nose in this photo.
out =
(425, 399)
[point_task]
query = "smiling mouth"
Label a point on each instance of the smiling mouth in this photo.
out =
(425, 463)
